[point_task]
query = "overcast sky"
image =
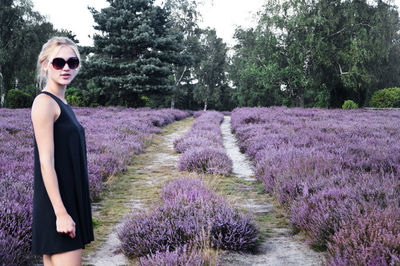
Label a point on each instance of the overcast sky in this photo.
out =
(223, 15)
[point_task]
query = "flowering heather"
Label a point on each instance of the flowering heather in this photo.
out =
(113, 135)
(202, 146)
(188, 214)
(181, 256)
(335, 171)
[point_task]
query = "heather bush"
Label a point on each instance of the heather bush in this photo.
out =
(181, 256)
(201, 148)
(205, 160)
(328, 168)
(110, 147)
(193, 142)
(369, 239)
(188, 214)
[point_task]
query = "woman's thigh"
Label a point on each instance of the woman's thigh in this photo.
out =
(70, 258)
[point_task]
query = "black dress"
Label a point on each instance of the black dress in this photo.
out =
(71, 168)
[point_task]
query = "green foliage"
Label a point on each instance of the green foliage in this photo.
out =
(211, 70)
(350, 47)
(23, 31)
(76, 97)
(184, 17)
(386, 98)
(18, 99)
(134, 52)
(349, 104)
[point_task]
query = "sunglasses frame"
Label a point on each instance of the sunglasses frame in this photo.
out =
(69, 61)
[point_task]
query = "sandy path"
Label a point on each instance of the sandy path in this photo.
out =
(279, 247)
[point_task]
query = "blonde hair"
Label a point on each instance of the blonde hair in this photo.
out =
(49, 50)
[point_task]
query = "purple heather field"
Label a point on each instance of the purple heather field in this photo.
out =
(113, 135)
(336, 172)
(190, 217)
(202, 148)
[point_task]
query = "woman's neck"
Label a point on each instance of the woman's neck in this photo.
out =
(56, 89)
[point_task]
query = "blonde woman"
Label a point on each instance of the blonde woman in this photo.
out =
(62, 219)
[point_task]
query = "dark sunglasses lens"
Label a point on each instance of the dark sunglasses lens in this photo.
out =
(73, 62)
(58, 63)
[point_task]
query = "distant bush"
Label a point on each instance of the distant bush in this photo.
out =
(76, 97)
(349, 104)
(207, 160)
(386, 98)
(18, 99)
(202, 146)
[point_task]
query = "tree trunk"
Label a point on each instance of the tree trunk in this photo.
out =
(172, 102)
(301, 100)
(205, 105)
(2, 95)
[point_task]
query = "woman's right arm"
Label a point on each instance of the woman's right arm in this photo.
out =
(44, 112)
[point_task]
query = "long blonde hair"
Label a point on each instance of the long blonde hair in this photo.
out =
(49, 50)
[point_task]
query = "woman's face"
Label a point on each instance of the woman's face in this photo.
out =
(65, 75)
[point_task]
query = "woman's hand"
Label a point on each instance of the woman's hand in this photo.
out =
(66, 225)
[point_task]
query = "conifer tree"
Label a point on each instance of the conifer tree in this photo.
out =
(134, 52)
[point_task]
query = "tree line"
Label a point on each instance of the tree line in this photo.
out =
(22, 34)
(309, 53)
(317, 53)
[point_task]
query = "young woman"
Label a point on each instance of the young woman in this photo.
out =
(62, 219)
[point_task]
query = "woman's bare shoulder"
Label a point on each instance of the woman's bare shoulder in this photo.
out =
(44, 106)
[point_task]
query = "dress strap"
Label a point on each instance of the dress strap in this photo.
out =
(58, 100)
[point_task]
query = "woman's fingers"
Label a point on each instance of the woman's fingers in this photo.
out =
(66, 225)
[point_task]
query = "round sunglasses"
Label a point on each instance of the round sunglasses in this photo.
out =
(59, 63)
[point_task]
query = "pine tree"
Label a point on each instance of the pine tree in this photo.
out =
(134, 54)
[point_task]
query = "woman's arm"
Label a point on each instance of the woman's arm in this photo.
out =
(44, 112)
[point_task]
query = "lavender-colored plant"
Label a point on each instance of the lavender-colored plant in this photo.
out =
(188, 214)
(181, 256)
(328, 168)
(202, 146)
(205, 160)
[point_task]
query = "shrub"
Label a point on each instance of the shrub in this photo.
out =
(386, 98)
(76, 97)
(349, 104)
(372, 239)
(18, 99)
(189, 214)
(181, 256)
(202, 146)
(205, 160)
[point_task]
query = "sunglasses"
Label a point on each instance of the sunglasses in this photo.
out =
(59, 63)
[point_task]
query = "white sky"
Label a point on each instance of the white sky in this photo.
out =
(223, 15)
(73, 15)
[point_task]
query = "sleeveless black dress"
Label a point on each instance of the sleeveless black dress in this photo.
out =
(71, 168)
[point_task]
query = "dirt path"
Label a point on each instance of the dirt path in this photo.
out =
(133, 191)
(278, 246)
